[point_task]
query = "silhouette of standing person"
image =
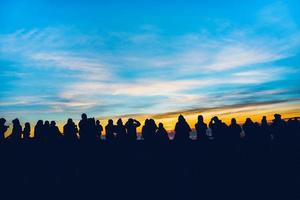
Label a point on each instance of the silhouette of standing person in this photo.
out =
(16, 133)
(3, 129)
(265, 131)
(234, 132)
(144, 130)
(46, 131)
(110, 130)
(54, 133)
(131, 126)
(278, 129)
(38, 130)
(149, 130)
(161, 133)
(218, 129)
(99, 129)
(26, 131)
(91, 134)
(249, 130)
(120, 130)
(83, 127)
(182, 130)
(70, 131)
(201, 128)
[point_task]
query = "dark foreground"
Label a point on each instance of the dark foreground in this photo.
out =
(194, 170)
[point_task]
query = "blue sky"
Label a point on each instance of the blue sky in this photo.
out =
(108, 58)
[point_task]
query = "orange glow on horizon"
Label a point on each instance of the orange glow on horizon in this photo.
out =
(255, 112)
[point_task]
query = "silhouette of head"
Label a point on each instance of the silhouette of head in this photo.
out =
(47, 123)
(152, 123)
(39, 123)
(200, 118)
(70, 121)
(215, 119)
(53, 123)
(181, 118)
(248, 120)
(120, 122)
(130, 120)
(83, 116)
(160, 125)
(277, 117)
(233, 121)
(2, 121)
(16, 121)
(264, 120)
(98, 122)
(110, 121)
(146, 122)
(27, 125)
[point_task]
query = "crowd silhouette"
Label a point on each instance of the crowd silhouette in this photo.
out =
(248, 158)
(91, 130)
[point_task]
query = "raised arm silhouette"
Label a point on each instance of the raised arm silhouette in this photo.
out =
(131, 126)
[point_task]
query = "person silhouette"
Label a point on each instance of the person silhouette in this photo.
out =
(131, 126)
(110, 130)
(120, 130)
(278, 127)
(70, 131)
(249, 130)
(213, 126)
(46, 131)
(26, 131)
(182, 130)
(38, 130)
(149, 130)
(3, 129)
(201, 128)
(145, 130)
(83, 127)
(54, 132)
(16, 133)
(99, 130)
(91, 133)
(264, 131)
(218, 129)
(234, 131)
(161, 133)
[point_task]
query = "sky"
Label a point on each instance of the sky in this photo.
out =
(144, 59)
